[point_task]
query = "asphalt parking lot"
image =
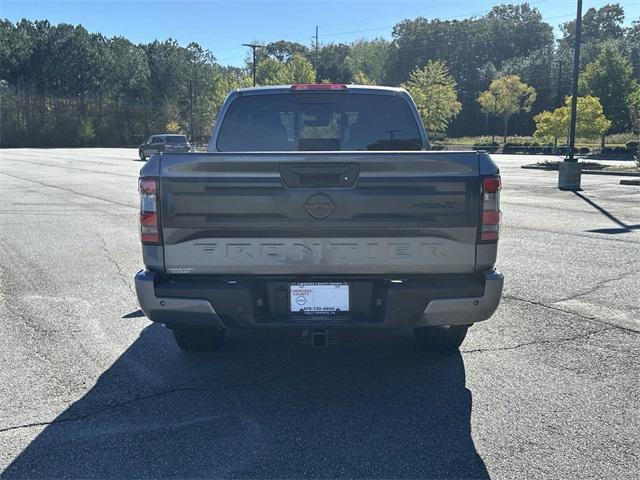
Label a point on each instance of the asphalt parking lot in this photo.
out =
(549, 387)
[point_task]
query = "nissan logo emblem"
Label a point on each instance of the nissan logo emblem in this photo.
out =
(319, 206)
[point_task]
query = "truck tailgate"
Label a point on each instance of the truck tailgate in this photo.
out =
(320, 213)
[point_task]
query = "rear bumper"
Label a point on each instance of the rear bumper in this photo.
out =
(258, 302)
(177, 149)
(465, 310)
(171, 310)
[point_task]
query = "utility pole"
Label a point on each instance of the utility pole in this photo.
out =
(570, 170)
(253, 47)
(317, 59)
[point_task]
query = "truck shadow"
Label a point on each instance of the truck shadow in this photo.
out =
(265, 406)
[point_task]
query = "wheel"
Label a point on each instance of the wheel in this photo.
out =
(141, 154)
(441, 339)
(198, 339)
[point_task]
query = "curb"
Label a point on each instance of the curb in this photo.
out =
(630, 182)
(586, 172)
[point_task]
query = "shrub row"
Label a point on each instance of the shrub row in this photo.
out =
(524, 145)
(487, 145)
(617, 151)
(550, 150)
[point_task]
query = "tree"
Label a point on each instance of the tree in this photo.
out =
(270, 72)
(632, 45)
(369, 58)
(516, 31)
(541, 70)
(634, 107)
(173, 127)
(125, 86)
(283, 50)
(86, 132)
(610, 78)
(434, 92)
(465, 46)
(226, 79)
(332, 63)
(296, 70)
(598, 26)
(506, 97)
(551, 125)
(634, 110)
(167, 89)
(590, 120)
(197, 103)
(360, 78)
(55, 75)
(299, 70)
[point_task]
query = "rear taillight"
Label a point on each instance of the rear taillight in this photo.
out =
(149, 215)
(490, 201)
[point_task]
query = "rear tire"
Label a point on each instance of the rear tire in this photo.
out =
(445, 339)
(141, 155)
(199, 339)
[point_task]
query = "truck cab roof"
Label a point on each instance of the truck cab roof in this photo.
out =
(288, 88)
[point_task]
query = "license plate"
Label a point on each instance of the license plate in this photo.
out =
(319, 298)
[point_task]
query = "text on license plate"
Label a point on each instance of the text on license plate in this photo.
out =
(320, 297)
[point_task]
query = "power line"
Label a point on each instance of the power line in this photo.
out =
(405, 49)
(469, 15)
(413, 12)
(466, 15)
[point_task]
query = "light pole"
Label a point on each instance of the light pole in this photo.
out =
(570, 171)
(317, 62)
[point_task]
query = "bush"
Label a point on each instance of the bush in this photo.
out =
(521, 141)
(619, 151)
(86, 131)
(490, 147)
(565, 150)
(632, 144)
(527, 145)
(620, 138)
(437, 136)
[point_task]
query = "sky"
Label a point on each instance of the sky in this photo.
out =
(223, 26)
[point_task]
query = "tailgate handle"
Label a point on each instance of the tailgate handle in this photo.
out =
(320, 175)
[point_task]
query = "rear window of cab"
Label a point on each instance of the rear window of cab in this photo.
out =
(176, 140)
(318, 121)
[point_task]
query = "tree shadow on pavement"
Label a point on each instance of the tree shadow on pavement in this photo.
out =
(265, 406)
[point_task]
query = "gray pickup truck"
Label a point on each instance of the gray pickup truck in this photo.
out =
(318, 207)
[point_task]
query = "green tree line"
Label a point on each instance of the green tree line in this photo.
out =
(61, 85)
